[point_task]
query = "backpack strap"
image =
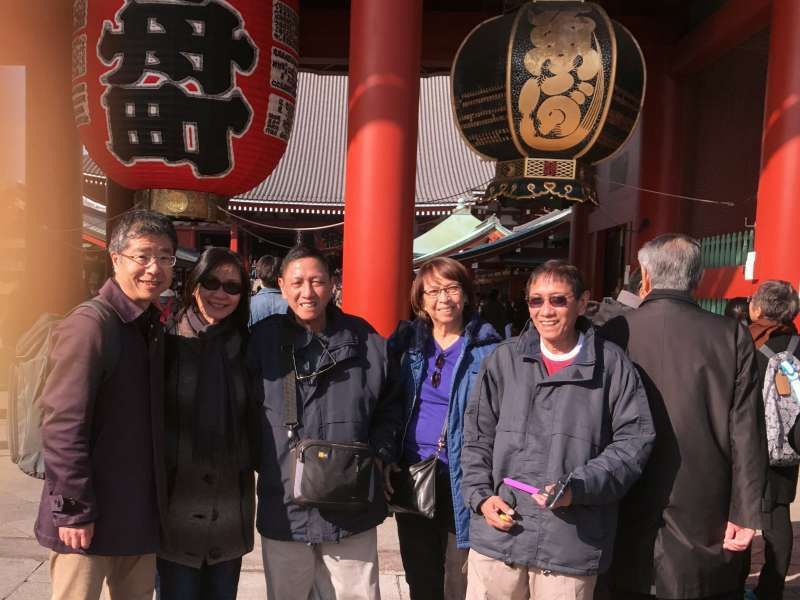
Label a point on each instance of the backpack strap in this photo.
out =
(767, 351)
(793, 343)
(790, 349)
(112, 342)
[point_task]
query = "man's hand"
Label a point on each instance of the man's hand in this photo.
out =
(388, 490)
(497, 513)
(541, 497)
(77, 537)
(737, 539)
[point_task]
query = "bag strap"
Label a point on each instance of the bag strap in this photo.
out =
(111, 336)
(793, 343)
(290, 420)
(440, 444)
(790, 349)
(766, 351)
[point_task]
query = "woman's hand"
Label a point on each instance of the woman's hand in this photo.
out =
(388, 490)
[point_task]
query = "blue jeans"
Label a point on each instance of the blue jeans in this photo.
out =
(209, 582)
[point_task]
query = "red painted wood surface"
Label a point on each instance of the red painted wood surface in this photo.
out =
(777, 215)
(381, 159)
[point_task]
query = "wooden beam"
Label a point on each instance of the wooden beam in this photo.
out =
(735, 22)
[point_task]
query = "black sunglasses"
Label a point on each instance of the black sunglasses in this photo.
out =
(436, 378)
(212, 284)
(556, 301)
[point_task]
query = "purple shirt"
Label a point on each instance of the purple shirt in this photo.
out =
(431, 409)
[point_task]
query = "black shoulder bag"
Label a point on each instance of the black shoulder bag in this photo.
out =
(332, 475)
(415, 485)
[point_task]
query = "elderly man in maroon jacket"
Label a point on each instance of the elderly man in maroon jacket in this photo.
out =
(102, 429)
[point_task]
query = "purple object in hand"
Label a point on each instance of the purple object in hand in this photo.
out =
(520, 486)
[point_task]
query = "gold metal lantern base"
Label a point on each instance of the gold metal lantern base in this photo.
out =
(182, 204)
(539, 182)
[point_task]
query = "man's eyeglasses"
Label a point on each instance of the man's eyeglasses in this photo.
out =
(436, 378)
(450, 290)
(556, 301)
(317, 371)
(146, 261)
(212, 284)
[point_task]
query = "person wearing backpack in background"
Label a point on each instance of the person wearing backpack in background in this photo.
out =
(102, 431)
(773, 309)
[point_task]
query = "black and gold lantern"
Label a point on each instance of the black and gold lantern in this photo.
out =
(547, 91)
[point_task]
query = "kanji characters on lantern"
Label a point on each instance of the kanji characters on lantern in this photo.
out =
(205, 42)
(195, 95)
(169, 124)
(547, 91)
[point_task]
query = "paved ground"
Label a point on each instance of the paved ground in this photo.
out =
(23, 563)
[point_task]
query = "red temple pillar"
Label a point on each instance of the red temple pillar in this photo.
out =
(385, 48)
(580, 240)
(234, 237)
(660, 156)
(777, 215)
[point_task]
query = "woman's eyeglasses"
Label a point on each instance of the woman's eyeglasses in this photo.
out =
(436, 378)
(450, 290)
(556, 301)
(212, 284)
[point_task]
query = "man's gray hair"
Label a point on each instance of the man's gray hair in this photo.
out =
(777, 301)
(141, 222)
(673, 261)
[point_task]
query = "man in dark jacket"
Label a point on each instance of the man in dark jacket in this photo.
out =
(685, 525)
(102, 434)
(345, 392)
(556, 404)
(772, 310)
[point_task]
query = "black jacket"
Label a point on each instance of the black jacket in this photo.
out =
(709, 462)
(356, 400)
(211, 435)
(591, 419)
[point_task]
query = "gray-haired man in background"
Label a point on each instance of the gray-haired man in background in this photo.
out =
(685, 524)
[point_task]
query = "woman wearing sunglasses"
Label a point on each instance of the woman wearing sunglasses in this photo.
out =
(211, 435)
(441, 350)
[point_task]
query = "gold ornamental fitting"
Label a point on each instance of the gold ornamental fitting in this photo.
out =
(536, 167)
(183, 204)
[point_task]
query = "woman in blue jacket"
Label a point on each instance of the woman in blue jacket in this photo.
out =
(441, 352)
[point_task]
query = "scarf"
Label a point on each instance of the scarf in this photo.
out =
(763, 329)
(214, 427)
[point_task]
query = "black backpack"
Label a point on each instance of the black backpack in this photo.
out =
(27, 377)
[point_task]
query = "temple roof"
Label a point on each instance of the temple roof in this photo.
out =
(458, 231)
(311, 173)
(519, 235)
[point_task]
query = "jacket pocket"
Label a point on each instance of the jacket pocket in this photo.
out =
(576, 537)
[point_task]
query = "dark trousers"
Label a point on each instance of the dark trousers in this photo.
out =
(209, 582)
(778, 540)
(423, 544)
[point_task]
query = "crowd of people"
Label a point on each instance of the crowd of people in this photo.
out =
(622, 456)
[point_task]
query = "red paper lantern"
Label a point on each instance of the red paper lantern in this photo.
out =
(185, 94)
